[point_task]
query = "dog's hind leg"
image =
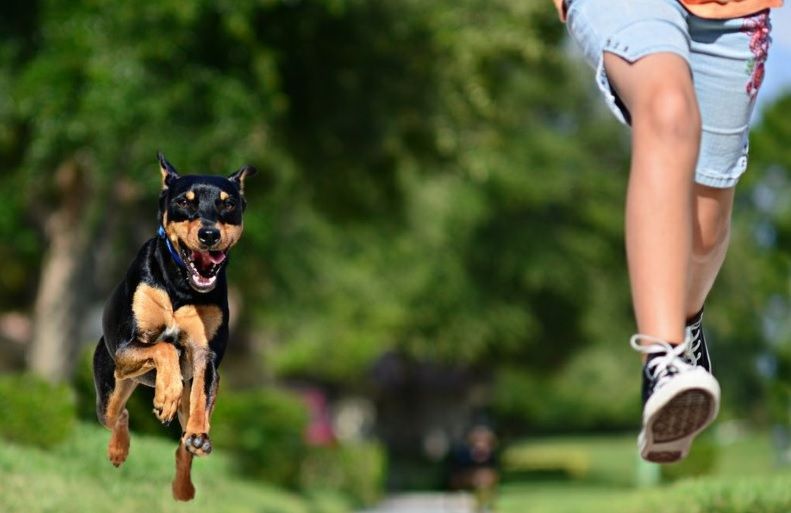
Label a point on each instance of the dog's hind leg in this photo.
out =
(111, 397)
(183, 488)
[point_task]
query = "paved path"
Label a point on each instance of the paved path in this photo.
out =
(426, 503)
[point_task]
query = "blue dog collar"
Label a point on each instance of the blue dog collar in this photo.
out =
(171, 249)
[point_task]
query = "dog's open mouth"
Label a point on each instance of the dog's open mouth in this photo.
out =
(202, 268)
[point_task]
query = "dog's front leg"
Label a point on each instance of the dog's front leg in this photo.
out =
(202, 396)
(199, 325)
(137, 358)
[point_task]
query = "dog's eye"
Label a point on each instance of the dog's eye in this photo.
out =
(229, 205)
(183, 203)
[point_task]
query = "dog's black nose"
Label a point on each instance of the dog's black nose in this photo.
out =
(209, 236)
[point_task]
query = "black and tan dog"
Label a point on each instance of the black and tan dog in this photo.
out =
(166, 324)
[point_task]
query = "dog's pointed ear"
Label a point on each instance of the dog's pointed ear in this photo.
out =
(239, 176)
(169, 174)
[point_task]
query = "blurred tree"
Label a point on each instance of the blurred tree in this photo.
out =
(431, 186)
(94, 89)
(437, 181)
(757, 328)
(488, 257)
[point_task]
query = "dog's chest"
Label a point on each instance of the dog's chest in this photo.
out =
(190, 326)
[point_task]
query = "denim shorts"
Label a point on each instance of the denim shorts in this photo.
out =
(726, 58)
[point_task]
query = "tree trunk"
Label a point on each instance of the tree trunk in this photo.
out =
(65, 284)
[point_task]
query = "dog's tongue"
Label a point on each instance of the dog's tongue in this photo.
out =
(206, 258)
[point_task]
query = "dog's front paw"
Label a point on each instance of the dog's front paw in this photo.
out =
(197, 443)
(166, 400)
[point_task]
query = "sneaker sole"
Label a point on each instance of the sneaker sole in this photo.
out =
(676, 413)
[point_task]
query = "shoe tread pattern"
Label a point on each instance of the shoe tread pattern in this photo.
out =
(682, 416)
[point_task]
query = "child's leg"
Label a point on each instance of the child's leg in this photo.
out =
(658, 92)
(711, 233)
(727, 58)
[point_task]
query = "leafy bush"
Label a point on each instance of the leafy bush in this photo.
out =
(34, 411)
(765, 494)
(355, 469)
(264, 429)
(537, 460)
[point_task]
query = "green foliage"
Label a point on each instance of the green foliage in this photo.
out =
(702, 460)
(770, 494)
(743, 479)
(566, 400)
(766, 494)
(759, 244)
(488, 257)
(437, 179)
(76, 477)
(357, 470)
(264, 431)
(410, 165)
(34, 411)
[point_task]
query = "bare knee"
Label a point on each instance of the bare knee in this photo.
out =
(659, 93)
(670, 112)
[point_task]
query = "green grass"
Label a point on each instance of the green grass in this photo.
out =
(76, 477)
(743, 480)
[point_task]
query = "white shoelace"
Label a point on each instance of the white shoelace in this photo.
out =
(693, 353)
(662, 368)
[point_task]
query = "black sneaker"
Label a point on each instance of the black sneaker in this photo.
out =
(679, 399)
(698, 352)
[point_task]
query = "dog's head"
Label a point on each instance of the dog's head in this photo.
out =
(202, 219)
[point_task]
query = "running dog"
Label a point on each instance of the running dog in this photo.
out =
(166, 324)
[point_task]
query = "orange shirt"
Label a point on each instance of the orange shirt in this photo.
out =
(728, 8)
(717, 9)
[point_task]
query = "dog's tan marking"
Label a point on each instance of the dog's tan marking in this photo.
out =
(164, 173)
(135, 360)
(198, 421)
(138, 358)
(116, 402)
(116, 418)
(196, 326)
(243, 174)
(199, 324)
(229, 234)
(184, 409)
(118, 447)
(183, 489)
(184, 232)
(190, 195)
(224, 195)
(153, 311)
